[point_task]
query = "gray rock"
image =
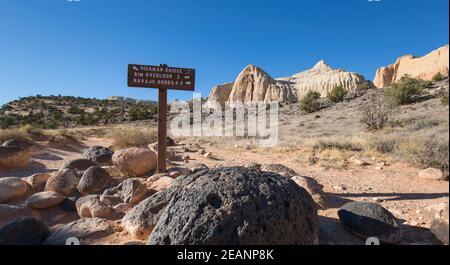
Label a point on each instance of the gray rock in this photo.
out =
(237, 206)
(181, 170)
(370, 220)
(279, 169)
(79, 164)
(92, 206)
(82, 229)
(64, 182)
(69, 204)
(24, 232)
(440, 225)
(110, 200)
(140, 221)
(99, 155)
(94, 179)
(133, 191)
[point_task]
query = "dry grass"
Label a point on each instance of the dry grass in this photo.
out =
(419, 149)
(23, 133)
(133, 137)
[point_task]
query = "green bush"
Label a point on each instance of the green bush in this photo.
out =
(438, 77)
(75, 110)
(337, 94)
(365, 86)
(405, 91)
(310, 102)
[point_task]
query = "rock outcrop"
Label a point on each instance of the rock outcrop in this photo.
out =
(425, 67)
(322, 78)
(220, 94)
(253, 84)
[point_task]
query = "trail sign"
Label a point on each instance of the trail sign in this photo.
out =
(163, 78)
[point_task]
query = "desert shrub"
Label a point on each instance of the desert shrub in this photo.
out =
(75, 110)
(425, 124)
(133, 137)
(139, 113)
(310, 102)
(6, 121)
(376, 116)
(426, 152)
(336, 144)
(384, 144)
(444, 98)
(337, 94)
(439, 77)
(405, 91)
(365, 86)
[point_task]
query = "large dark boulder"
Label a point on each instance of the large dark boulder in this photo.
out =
(370, 220)
(237, 206)
(99, 155)
(28, 231)
(94, 179)
(79, 164)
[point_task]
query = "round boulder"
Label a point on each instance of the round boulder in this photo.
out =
(132, 191)
(64, 182)
(12, 188)
(91, 206)
(38, 181)
(44, 200)
(237, 206)
(135, 161)
(99, 155)
(370, 220)
(24, 232)
(94, 179)
(432, 174)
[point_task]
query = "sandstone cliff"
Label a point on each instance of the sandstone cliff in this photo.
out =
(254, 84)
(220, 94)
(322, 78)
(425, 67)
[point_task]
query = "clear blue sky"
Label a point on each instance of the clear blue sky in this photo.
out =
(83, 48)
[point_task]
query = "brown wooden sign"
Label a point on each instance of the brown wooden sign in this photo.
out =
(162, 76)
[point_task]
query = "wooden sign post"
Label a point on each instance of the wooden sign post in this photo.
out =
(163, 78)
